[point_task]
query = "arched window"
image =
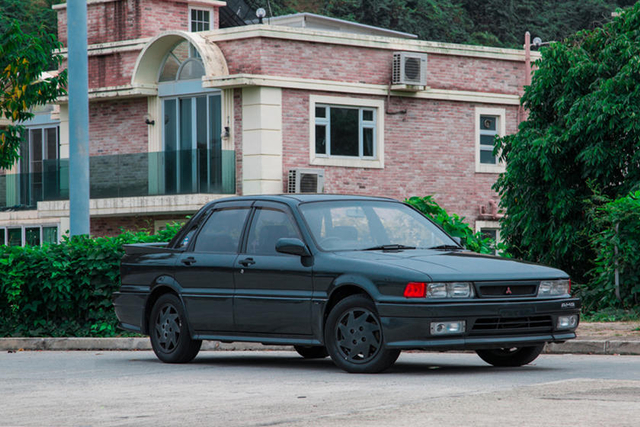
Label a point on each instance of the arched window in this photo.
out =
(182, 63)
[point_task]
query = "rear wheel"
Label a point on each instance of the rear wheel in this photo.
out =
(170, 338)
(311, 351)
(354, 338)
(511, 357)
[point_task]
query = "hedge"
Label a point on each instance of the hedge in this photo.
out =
(64, 289)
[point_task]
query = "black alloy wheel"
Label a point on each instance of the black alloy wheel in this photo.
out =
(511, 357)
(170, 338)
(311, 351)
(354, 337)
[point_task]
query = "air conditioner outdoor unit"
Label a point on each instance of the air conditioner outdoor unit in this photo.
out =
(409, 69)
(306, 181)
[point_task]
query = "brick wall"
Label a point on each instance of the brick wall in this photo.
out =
(117, 127)
(428, 151)
(290, 58)
(120, 20)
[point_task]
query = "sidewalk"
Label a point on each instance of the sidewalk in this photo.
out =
(593, 338)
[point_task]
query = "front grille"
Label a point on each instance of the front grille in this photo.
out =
(506, 325)
(506, 289)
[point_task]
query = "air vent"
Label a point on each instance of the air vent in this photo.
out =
(410, 69)
(306, 181)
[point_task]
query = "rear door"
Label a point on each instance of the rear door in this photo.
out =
(205, 270)
(273, 290)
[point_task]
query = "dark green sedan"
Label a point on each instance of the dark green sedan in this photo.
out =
(355, 278)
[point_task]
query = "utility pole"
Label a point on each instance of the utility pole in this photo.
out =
(78, 118)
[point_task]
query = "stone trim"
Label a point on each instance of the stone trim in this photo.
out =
(182, 203)
(245, 80)
(359, 40)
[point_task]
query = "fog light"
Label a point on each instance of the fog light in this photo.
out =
(567, 322)
(447, 328)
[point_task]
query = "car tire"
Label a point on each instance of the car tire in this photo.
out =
(311, 351)
(511, 357)
(169, 332)
(354, 337)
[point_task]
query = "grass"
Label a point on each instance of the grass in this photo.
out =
(612, 315)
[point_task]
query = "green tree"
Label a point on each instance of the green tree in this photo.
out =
(581, 139)
(23, 60)
(31, 14)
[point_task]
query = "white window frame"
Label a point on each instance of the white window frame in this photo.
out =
(375, 162)
(201, 9)
(500, 114)
(23, 232)
(493, 225)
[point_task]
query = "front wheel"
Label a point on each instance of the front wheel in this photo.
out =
(170, 338)
(511, 357)
(354, 339)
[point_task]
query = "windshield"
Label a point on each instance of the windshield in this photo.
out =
(360, 225)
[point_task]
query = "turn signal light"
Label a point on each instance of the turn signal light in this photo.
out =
(415, 290)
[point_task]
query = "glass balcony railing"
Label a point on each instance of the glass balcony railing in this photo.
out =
(126, 175)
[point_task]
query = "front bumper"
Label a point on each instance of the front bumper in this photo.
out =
(488, 324)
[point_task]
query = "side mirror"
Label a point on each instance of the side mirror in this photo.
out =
(292, 247)
(458, 240)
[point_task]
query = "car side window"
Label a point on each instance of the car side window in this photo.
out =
(267, 227)
(222, 231)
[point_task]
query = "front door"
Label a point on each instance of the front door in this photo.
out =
(273, 290)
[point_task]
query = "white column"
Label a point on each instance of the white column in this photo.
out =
(261, 140)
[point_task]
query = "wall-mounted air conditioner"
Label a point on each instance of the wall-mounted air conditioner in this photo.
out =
(410, 69)
(306, 181)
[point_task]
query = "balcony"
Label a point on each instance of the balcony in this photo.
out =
(125, 175)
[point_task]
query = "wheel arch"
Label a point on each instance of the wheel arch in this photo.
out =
(163, 285)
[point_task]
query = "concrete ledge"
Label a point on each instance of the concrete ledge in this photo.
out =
(603, 347)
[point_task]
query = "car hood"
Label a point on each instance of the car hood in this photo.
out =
(457, 265)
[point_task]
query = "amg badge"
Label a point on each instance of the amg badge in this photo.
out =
(568, 305)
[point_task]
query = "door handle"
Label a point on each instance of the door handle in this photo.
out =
(247, 262)
(188, 261)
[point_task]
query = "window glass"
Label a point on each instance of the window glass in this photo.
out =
(184, 58)
(200, 20)
(2, 234)
(268, 226)
(488, 132)
(14, 237)
(222, 231)
(321, 139)
(345, 131)
(357, 225)
(187, 237)
(32, 236)
(49, 235)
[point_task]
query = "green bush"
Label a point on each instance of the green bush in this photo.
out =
(64, 289)
(456, 227)
(616, 246)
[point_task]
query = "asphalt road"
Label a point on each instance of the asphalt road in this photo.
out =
(281, 389)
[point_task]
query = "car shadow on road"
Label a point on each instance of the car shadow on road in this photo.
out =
(278, 360)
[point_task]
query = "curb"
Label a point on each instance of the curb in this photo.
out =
(602, 347)
(121, 344)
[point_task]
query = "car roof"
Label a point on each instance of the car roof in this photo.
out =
(298, 198)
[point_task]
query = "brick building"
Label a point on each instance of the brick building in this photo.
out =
(183, 112)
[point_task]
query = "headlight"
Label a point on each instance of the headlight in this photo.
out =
(552, 288)
(450, 290)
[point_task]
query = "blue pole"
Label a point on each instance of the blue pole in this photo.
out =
(78, 118)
